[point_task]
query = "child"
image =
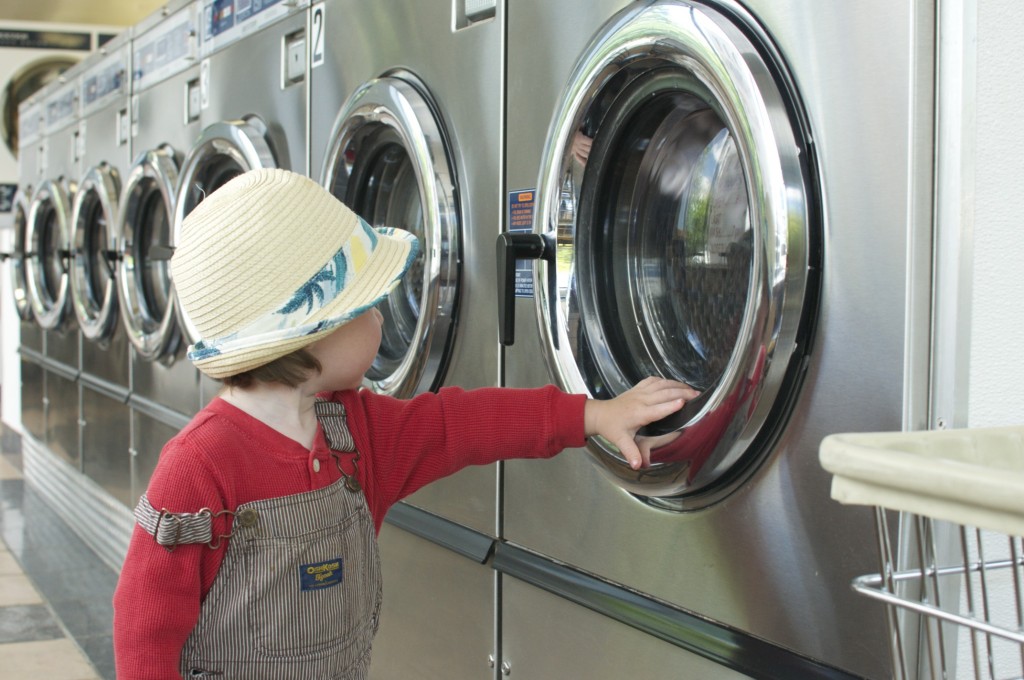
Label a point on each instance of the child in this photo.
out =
(255, 553)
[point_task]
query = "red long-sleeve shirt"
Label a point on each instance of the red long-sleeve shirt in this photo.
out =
(225, 458)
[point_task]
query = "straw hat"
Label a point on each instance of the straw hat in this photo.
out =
(271, 262)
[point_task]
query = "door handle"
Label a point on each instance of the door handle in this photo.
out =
(160, 253)
(520, 246)
(110, 259)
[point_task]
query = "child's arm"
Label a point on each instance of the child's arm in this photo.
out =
(159, 591)
(619, 419)
(156, 606)
(412, 443)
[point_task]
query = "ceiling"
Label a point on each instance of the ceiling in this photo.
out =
(100, 12)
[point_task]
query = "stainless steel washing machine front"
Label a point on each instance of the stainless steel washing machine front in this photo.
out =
(30, 166)
(33, 55)
(104, 136)
(49, 223)
(253, 105)
(697, 177)
(31, 146)
(254, 73)
(406, 130)
(48, 234)
(164, 122)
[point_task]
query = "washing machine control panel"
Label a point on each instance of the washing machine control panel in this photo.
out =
(62, 107)
(227, 21)
(30, 123)
(167, 49)
(106, 81)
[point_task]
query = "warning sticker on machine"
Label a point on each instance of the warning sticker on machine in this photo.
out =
(520, 219)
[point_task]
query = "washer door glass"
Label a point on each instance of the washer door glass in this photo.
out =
(93, 284)
(19, 280)
(47, 260)
(223, 151)
(679, 195)
(144, 231)
(389, 161)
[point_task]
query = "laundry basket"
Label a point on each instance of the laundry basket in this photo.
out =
(949, 512)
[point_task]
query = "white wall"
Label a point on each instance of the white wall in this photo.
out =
(980, 306)
(10, 364)
(997, 299)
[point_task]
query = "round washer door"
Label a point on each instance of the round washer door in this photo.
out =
(223, 151)
(389, 161)
(93, 272)
(26, 81)
(143, 236)
(48, 246)
(18, 272)
(678, 190)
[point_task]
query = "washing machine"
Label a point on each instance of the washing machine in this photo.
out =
(28, 392)
(14, 254)
(104, 135)
(406, 129)
(47, 264)
(254, 100)
(164, 122)
(32, 55)
(736, 196)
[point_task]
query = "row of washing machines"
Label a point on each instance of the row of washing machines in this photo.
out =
(717, 192)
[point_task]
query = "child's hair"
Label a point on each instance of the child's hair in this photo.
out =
(291, 370)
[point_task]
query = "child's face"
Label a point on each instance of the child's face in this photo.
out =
(348, 352)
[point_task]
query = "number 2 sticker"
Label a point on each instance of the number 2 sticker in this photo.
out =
(316, 57)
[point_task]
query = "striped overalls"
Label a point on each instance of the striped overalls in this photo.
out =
(299, 590)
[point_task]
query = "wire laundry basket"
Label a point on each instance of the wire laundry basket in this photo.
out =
(949, 513)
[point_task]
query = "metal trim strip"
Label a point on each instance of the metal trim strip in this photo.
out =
(105, 387)
(715, 641)
(32, 356)
(61, 369)
(158, 412)
(445, 533)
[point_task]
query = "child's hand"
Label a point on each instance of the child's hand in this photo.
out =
(619, 419)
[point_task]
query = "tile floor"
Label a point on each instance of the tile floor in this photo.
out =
(55, 594)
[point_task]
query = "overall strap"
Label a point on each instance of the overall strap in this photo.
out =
(171, 529)
(334, 421)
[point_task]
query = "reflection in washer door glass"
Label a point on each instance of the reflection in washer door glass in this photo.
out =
(154, 229)
(98, 270)
(670, 252)
(49, 252)
(387, 194)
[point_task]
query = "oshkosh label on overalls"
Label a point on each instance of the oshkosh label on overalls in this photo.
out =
(320, 575)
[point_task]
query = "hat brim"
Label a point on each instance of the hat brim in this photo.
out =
(395, 252)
